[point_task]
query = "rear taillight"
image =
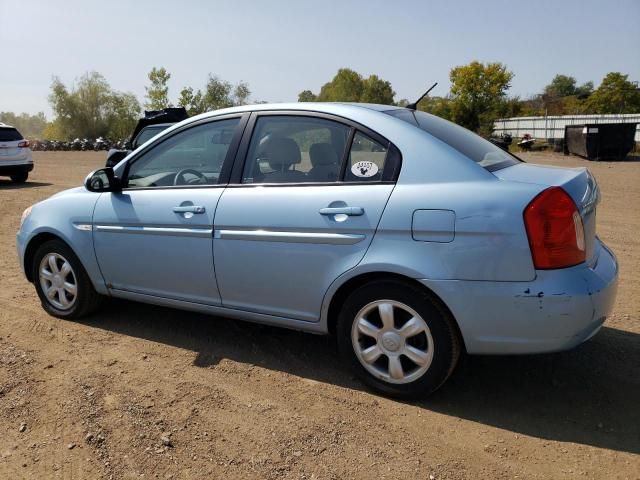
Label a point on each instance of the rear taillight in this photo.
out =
(23, 144)
(555, 231)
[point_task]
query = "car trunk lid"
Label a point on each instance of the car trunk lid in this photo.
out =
(577, 182)
(10, 151)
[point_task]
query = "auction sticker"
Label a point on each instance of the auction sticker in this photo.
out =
(364, 169)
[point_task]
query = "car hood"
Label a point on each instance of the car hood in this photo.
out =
(68, 191)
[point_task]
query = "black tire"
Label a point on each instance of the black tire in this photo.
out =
(86, 299)
(20, 177)
(446, 341)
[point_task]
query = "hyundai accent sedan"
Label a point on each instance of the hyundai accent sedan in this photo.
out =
(407, 237)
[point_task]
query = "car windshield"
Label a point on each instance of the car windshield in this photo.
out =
(473, 146)
(9, 135)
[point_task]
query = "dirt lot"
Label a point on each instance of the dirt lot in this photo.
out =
(93, 399)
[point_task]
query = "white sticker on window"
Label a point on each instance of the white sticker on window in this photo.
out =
(364, 169)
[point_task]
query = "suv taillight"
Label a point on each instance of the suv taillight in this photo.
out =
(23, 144)
(555, 231)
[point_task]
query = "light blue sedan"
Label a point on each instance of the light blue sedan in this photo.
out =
(407, 237)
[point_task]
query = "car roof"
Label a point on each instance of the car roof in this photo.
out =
(373, 106)
(338, 108)
(158, 125)
(4, 125)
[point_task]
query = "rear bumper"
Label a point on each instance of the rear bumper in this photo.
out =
(14, 168)
(557, 311)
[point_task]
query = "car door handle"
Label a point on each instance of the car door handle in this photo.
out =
(189, 209)
(351, 211)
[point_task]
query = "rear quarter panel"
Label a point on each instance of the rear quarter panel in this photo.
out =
(489, 239)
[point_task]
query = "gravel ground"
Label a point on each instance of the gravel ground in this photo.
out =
(146, 392)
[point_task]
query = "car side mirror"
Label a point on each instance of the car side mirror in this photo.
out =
(103, 180)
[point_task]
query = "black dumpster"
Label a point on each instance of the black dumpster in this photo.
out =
(600, 141)
(557, 144)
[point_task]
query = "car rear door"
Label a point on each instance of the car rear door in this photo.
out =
(155, 237)
(295, 216)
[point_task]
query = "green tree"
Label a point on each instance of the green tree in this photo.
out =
(31, 126)
(158, 91)
(53, 131)
(91, 109)
(123, 115)
(346, 86)
(349, 86)
(532, 106)
(439, 106)
(217, 94)
(564, 96)
(478, 92)
(190, 100)
(241, 94)
(376, 90)
(83, 110)
(306, 96)
(616, 94)
(561, 86)
(566, 86)
(584, 90)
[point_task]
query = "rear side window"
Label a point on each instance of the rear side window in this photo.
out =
(473, 146)
(366, 159)
(9, 135)
(295, 149)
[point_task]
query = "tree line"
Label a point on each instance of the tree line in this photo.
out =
(479, 94)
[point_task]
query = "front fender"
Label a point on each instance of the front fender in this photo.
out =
(68, 216)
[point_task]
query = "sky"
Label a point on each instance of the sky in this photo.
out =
(281, 47)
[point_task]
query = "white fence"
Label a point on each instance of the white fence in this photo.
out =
(553, 126)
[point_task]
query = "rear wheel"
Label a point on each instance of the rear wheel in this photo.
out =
(398, 339)
(20, 177)
(62, 283)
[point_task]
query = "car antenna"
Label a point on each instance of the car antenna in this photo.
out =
(414, 106)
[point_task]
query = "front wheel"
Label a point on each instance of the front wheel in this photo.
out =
(398, 339)
(61, 282)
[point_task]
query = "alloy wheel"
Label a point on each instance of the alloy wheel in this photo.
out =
(392, 341)
(58, 281)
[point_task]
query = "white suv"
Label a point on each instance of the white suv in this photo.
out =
(15, 154)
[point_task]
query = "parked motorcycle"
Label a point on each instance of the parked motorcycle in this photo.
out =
(527, 142)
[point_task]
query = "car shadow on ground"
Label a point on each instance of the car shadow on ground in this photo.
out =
(9, 185)
(590, 395)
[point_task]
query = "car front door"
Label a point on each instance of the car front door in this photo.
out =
(155, 237)
(296, 216)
